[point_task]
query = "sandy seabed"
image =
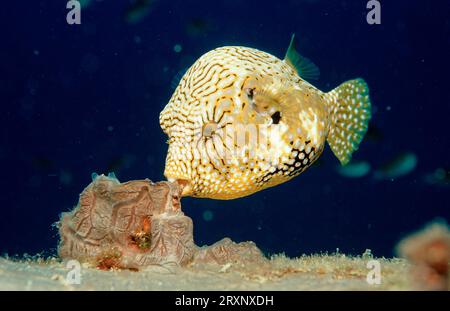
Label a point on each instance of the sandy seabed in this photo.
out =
(319, 272)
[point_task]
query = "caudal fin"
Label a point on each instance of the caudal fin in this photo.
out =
(350, 115)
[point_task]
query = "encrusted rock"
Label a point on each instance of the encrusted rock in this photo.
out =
(226, 251)
(138, 224)
(428, 251)
(130, 225)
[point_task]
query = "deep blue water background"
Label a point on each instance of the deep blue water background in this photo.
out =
(86, 98)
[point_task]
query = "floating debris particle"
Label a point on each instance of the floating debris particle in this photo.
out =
(208, 215)
(138, 10)
(356, 169)
(85, 3)
(440, 177)
(399, 166)
(177, 48)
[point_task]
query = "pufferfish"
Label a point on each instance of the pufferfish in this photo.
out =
(242, 120)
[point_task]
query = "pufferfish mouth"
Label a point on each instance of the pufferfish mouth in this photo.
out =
(184, 184)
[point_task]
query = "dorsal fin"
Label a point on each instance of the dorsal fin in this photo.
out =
(304, 67)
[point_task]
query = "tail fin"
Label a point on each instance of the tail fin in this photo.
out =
(350, 115)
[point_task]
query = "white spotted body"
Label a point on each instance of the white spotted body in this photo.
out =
(284, 122)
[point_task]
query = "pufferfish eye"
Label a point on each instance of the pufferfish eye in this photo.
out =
(276, 117)
(250, 92)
